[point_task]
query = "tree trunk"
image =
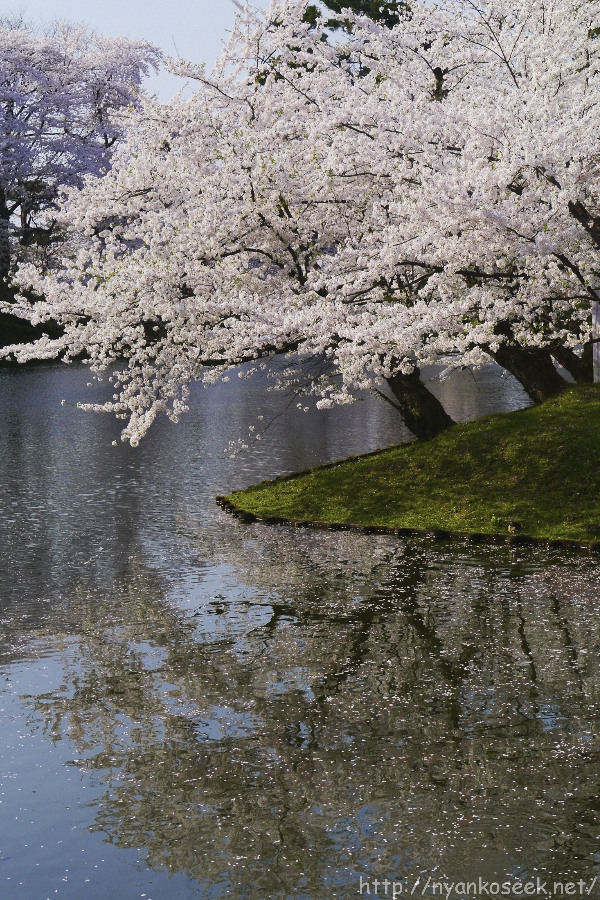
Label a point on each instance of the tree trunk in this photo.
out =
(422, 412)
(595, 342)
(4, 242)
(587, 220)
(533, 368)
(581, 368)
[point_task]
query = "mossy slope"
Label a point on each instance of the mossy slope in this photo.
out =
(539, 466)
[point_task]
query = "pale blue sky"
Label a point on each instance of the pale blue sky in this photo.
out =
(190, 29)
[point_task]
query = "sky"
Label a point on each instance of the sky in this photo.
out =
(188, 29)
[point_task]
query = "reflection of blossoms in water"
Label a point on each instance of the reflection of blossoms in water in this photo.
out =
(384, 704)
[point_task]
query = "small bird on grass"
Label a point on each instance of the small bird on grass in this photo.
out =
(514, 527)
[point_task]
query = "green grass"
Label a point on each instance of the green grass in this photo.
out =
(539, 466)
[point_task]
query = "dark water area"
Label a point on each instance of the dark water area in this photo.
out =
(195, 708)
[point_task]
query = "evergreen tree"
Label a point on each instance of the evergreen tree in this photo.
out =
(385, 11)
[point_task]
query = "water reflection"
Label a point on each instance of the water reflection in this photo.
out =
(253, 712)
(416, 709)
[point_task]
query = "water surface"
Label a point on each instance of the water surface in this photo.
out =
(192, 707)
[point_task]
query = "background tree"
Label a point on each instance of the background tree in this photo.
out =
(60, 98)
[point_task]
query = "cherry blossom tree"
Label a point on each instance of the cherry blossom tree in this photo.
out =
(60, 98)
(499, 34)
(426, 192)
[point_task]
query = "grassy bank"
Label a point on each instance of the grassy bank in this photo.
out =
(539, 467)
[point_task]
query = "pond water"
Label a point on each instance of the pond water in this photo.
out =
(196, 708)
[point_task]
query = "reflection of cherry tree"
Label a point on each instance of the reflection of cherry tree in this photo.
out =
(342, 735)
